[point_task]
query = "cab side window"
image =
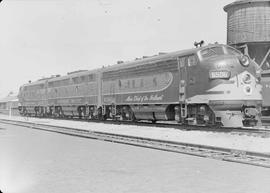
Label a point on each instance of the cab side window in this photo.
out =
(182, 62)
(192, 60)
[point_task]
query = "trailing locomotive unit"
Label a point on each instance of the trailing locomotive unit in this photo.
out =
(210, 85)
(73, 95)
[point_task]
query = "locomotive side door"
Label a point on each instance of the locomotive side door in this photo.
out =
(183, 78)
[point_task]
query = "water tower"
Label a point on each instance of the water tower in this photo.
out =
(248, 29)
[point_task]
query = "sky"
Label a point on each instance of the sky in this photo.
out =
(40, 38)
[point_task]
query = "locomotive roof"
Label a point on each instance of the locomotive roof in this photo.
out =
(35, 82)
(82, 73)
(143, 61)
(43, 81)
(151, 59)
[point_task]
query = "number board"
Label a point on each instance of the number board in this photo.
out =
(219, 74)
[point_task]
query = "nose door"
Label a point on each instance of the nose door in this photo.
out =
(183, 79)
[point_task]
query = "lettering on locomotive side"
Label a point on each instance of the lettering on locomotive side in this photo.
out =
(144, 98)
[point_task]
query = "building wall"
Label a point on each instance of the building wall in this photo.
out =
(248, 29)
(6, 107)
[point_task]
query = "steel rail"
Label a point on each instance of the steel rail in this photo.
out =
(225, 154)
(263, 132)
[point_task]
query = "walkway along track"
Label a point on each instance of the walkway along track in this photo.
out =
(225, 154)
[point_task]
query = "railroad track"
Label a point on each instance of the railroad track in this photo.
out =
(225, 154)
(263, 131)
(266, 120)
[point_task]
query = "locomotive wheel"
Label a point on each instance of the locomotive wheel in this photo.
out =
(133, 118)
(154, 121)
(99, 115)
(81, 112)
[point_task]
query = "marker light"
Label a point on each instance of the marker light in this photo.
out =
(248, 90)
(246, 78)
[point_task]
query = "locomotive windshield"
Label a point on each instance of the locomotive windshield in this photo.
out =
(233, 51)
(211, 52)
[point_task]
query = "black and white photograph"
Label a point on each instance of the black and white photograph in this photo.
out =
(125, 96)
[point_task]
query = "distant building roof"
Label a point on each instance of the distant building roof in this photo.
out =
(9, 98)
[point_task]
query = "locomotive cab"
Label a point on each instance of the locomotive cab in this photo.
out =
(222, 88)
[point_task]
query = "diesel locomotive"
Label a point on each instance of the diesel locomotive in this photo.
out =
(210, 85)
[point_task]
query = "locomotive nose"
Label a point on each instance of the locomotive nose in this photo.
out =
(234, 64)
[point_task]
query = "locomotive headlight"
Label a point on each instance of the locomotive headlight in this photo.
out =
(244, 60)
(246, 78)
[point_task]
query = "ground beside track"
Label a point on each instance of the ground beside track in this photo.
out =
(226, 140)
(35, 161)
